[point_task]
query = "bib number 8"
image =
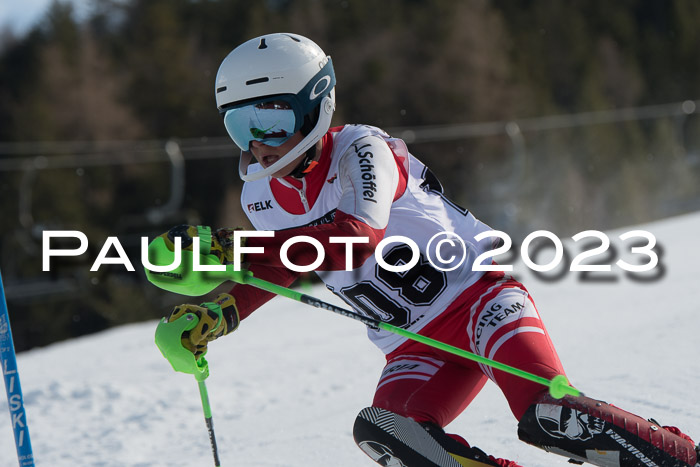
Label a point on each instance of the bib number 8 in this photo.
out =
(419, 286)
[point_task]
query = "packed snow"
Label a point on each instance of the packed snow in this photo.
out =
(285, 388)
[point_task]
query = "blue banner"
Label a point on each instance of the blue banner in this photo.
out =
(15, 400)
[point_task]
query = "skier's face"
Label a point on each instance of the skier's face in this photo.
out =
(268, 155)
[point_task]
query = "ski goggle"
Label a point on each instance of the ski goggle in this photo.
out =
(271, 122)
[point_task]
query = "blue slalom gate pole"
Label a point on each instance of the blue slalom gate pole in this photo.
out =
(15, 401)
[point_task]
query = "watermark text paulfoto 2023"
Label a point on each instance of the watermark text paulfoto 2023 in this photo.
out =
(445, 251)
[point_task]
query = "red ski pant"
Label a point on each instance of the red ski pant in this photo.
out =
(495, 318)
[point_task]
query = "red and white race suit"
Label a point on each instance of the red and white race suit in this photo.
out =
(367, 184)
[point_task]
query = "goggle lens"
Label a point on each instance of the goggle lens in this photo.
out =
(271, 123)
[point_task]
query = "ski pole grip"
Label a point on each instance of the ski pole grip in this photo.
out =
(204, 234)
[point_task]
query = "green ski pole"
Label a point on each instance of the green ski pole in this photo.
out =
(168, 339)
(183, 280)
(204, 395)
(558, 386)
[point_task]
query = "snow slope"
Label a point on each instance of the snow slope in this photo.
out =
(285, 388)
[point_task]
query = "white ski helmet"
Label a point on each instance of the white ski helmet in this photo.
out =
(275, 67)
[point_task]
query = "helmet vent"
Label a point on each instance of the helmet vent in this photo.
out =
(221, 89)
(257, 80)
(262, 45)
(293, 38)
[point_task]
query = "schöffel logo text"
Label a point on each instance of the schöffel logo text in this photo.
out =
(369, 188)
(260, 206)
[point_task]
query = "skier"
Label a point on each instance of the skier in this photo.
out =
(276, 96)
